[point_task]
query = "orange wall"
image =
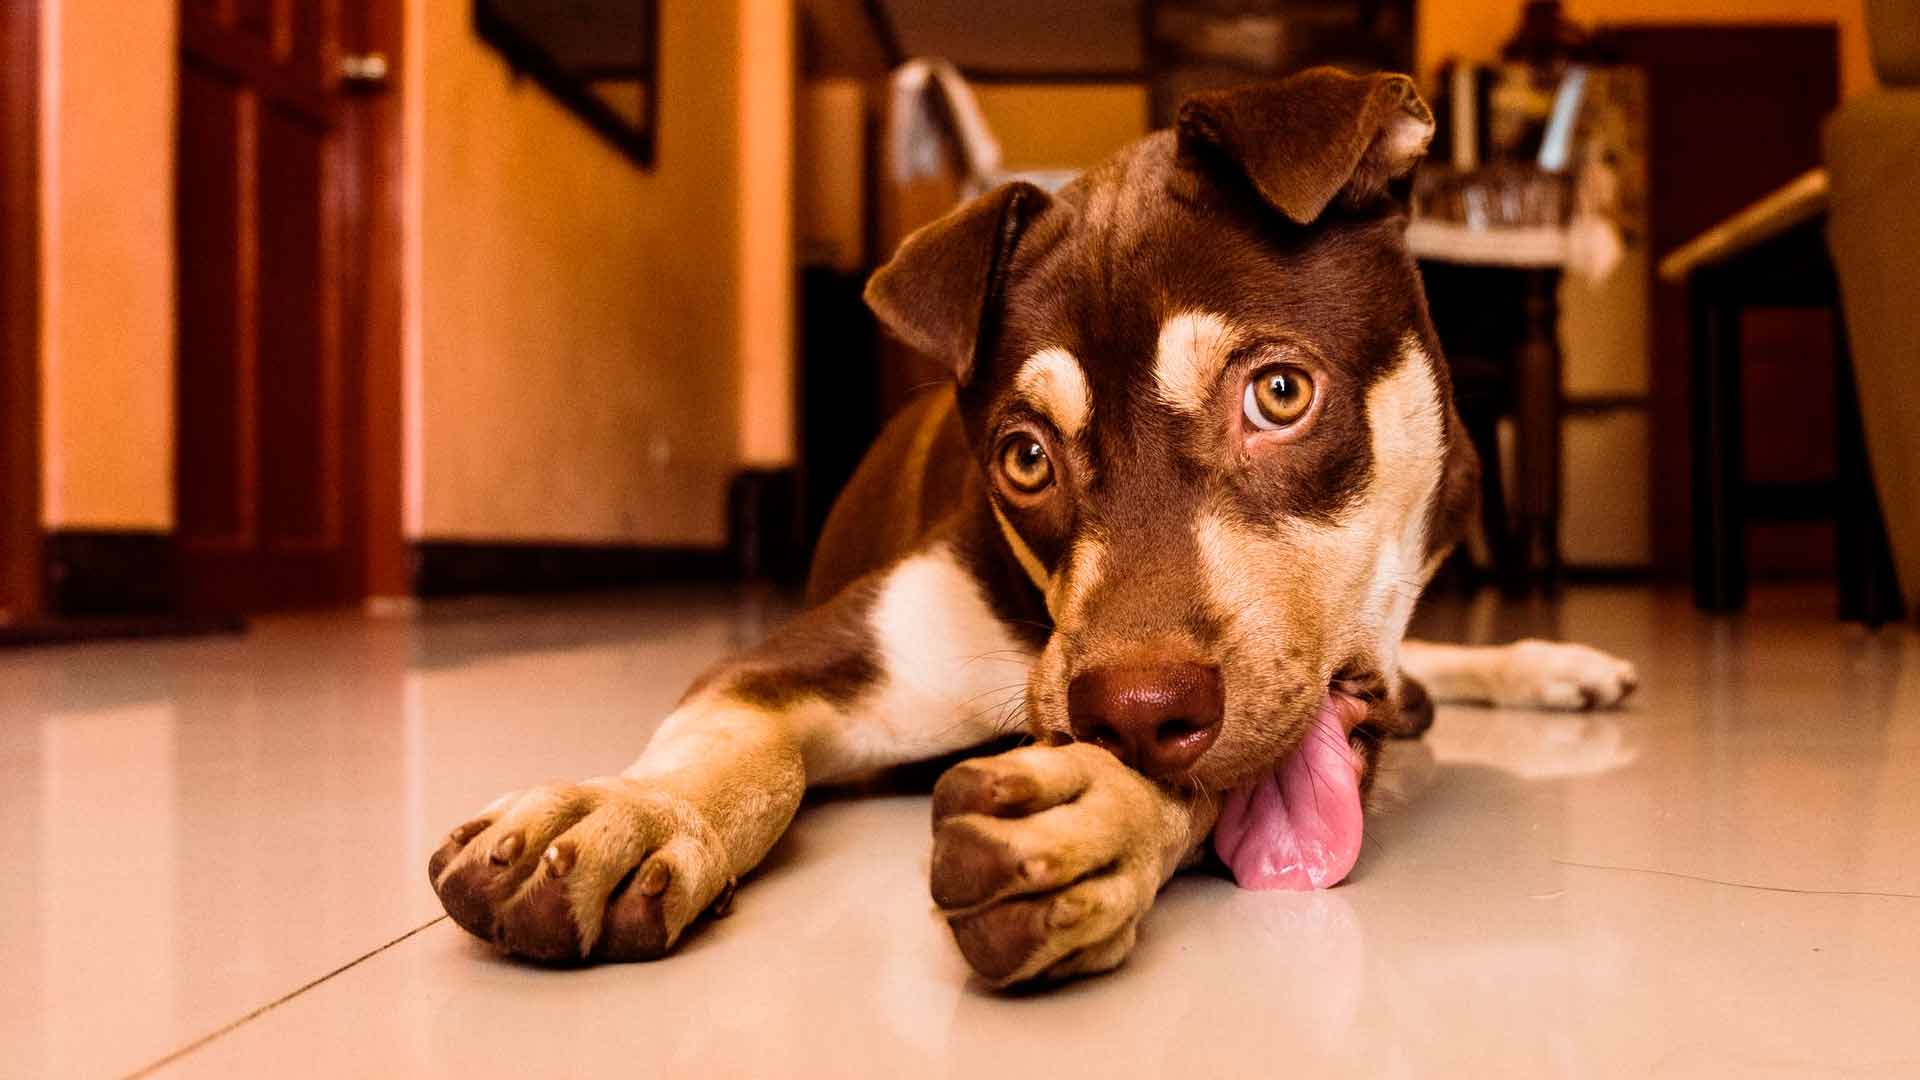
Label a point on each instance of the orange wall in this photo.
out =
(766, 235)
(107, 325)
(584, 334)
(575, 324)
(1475, 28)
(1062, 126)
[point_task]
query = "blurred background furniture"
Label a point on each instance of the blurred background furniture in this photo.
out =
(1523, 182)
(1194, 45)
(1755, 95)
(1873, 231)
(1773, 254)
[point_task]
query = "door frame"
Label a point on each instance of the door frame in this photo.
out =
(21, 595)
(375, 294)
(373, 209)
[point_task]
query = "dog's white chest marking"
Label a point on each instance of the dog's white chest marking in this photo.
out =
(952, 674)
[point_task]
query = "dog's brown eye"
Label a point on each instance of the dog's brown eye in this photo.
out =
(1025, 463)
(1277, 396)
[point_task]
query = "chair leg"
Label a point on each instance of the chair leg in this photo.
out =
(1509, 563)
(1719, 520)
(1869, 587)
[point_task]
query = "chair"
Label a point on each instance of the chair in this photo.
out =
(1873, 233)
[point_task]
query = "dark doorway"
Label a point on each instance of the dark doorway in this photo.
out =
(288, 380)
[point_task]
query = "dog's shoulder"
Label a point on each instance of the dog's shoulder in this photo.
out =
(914, 477)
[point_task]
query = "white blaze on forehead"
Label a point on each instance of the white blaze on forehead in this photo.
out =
(1193, 347)
(1052, 381)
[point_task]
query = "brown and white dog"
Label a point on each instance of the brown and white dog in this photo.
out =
(1197, 462)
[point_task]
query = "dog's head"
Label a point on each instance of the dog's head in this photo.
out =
(1214, 420)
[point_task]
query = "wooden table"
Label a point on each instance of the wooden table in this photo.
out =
(1773, 253)
(1525, 536)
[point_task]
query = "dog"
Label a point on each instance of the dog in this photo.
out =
(1197, 460)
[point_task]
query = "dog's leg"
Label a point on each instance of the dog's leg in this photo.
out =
(1524, 674)
(905, 665)
(1046, 857)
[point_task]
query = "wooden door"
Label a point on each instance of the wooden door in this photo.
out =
(270, 391)
(19, 311)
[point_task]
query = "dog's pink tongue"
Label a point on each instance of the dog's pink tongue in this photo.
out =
(1298, 826)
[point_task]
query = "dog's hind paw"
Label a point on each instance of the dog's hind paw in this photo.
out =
(566, 873)
(1536, 674)
(1044, 860)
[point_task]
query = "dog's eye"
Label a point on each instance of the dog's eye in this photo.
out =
(1277, 396)
(1025, 464)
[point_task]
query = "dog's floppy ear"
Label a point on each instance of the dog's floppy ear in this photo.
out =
(940, 289)
(1313, 137)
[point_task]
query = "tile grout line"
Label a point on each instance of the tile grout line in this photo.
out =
(1705, 880)
(154, 1066)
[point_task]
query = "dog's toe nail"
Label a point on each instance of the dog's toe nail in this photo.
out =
(559, 858)
(654, 879)
(1014, 790)
(507, 850)
(468, 831)
(1066, 911)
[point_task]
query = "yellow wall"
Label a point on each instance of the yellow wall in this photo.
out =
(107, 324)
(577, 321)
(1064, 126)
(1475, 28)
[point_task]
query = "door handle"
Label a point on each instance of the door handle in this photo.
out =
(365, 71)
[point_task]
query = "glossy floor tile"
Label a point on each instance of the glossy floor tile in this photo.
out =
(217, 855)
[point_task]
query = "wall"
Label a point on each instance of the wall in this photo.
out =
(831, 173)
(766, 235)
(1475, 28)
(575, 321)
(1062, 126)
(107, 326)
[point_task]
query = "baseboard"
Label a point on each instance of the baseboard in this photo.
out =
(443, 568)
(110, 573)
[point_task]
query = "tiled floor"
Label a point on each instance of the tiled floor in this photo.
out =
(217, 850)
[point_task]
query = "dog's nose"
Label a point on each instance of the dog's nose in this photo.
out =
(1158, 718)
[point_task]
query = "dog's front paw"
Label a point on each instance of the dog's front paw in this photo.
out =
(1559, 675)
(1045, 858)
(607, 869)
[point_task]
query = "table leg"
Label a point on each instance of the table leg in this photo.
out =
(1719, 519)
(1537, 431)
